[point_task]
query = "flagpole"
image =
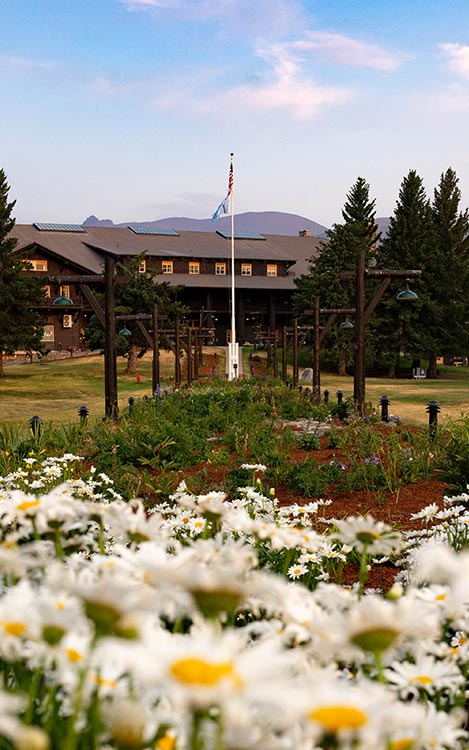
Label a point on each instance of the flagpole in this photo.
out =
(234, 360)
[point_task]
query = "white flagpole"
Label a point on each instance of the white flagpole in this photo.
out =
(233, 365)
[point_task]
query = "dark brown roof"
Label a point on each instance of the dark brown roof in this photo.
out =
(86, 250)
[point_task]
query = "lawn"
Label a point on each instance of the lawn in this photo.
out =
(55, 390)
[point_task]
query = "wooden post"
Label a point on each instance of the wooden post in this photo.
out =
(177, 362)
(189, 355)
(316, 363)
(269, 352)
(110, 352)
(274, 353)
(359, 369)
(284, 354)
(295, 352)
(196, 354)
(156, 351)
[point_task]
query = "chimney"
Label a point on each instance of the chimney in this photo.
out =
(305, 232)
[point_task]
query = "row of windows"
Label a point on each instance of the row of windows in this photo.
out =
(167, 266)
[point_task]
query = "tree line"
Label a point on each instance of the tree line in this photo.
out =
(423, 234)
(430, 235)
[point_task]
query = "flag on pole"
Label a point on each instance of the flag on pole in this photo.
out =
(223, 207)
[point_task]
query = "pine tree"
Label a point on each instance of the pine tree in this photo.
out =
(20, 326)
(447, 272)
(410, 243)
(357, 232)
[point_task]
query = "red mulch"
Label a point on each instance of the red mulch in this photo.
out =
(394, 508)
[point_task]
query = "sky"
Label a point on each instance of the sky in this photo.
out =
(129, 109)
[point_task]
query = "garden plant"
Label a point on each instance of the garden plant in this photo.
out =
(142, 608)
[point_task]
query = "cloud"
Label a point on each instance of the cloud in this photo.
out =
(343, 50)
(24, 63)
(458, 58)
(286, 89)
(282, 88)
(261, 17)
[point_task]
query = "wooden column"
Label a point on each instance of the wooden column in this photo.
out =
(316, 353)
(295, 352)
(177, 361)
(110, 352)
(189, 355)
(359, 369)
(155, 379)
(284, 354)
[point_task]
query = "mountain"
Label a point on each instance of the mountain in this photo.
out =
(265, 222)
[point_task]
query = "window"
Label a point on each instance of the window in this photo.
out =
(246, 269)
(65, 291)
(143, 266)
(220, 269)
(37, 265)
(47, 290)
(167, 266)
(194, 267)
(271, 269)
(48, 334)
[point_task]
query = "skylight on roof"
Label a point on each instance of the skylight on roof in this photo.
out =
(137, 229)
(241, 235)
(58, 227)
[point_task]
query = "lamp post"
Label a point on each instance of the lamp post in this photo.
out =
(363, 314)
(110, 352)
(359, 358)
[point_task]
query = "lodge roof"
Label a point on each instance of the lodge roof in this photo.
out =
(86, 249)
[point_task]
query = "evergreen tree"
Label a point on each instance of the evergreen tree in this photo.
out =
(357, 232)
(20, 326)
(447, 272)
(136, 296)
(410, 243)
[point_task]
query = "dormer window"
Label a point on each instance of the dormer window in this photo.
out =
(37, 265)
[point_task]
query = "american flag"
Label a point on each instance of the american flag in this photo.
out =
(230, 181)
(223, 207)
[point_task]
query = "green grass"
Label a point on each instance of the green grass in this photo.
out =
(55, 390)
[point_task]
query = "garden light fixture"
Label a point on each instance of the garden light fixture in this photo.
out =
(63, 300)
(406, 295)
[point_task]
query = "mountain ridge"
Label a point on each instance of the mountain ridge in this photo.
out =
(264, 222)
(267, 222)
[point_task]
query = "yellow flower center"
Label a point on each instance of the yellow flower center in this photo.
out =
(28, 504)
(168, 742)
(102, 682)
(195, 671)
(424, 679)
(13, 628)
(406, 743)
(337, 717)
(74, 656)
